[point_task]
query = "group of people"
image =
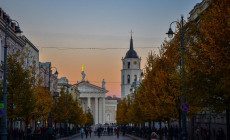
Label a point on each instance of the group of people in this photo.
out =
(85, 131)
(20, 134)
(99, 131)
(203, 133)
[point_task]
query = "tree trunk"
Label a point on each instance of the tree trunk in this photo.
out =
(160, 130)
(192, 128)
(228, 123)
(149, 135)
(35, 123)
(26, 129)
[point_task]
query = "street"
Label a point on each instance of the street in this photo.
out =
(114, 137)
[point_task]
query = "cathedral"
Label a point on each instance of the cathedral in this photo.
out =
(131, 73)
(93, 98)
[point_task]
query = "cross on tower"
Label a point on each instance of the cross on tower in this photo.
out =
(131, 33)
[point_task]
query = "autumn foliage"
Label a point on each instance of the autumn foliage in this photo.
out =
(207, 72)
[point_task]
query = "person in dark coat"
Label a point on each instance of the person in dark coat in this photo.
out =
(170, 133)
(86, 132)
(220, 134)
(99, 132)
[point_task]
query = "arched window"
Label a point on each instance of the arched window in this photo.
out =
(128, 79)
(128, 65)
(135, 77)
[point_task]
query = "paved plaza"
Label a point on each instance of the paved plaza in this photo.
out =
(105, 138)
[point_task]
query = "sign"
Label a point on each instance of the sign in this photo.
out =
(1, 112)
(185, 107)
(1, 105)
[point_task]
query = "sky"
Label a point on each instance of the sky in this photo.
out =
(56, 26)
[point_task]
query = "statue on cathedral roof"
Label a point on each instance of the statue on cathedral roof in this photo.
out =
(82, 73)
(103, 83)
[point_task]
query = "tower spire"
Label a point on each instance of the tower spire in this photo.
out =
(131, 41)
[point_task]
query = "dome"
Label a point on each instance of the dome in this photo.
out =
(131, 53)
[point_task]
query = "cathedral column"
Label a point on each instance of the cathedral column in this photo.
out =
(103, 110)
(96, 111)
(89, 106)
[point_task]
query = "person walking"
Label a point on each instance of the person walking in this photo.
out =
(86, 132)
(108, 130)
(50, 133)
(153, 136)
(99, 132)
(82, 131)
(220, 134)
(90, 131)
(117, 132)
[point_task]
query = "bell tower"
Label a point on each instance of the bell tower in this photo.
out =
(131, 71)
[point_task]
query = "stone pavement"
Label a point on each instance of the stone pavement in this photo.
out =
(106, 138)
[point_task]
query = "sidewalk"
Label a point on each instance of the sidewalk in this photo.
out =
(66, 138)
(134, 137)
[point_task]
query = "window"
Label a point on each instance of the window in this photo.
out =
(128, 65)
(128, 79)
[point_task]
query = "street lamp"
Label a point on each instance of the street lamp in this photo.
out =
(4, 118)
(56, 75)
(170, 35)
(67, 121)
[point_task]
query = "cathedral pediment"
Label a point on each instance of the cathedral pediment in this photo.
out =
(86, 87)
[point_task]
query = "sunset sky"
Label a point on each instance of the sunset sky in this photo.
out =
(66, 24)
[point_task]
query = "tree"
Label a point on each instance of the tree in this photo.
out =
(209, 62)
(90, 120)
(121, 113)
(43, 104)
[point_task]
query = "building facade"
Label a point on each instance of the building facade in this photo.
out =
(48, 79)
(131, 73)
(93, 98)
(16, 42)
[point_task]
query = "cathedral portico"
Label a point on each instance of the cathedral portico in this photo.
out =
(92, 98)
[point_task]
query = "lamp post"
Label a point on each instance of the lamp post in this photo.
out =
(56, 74)
(170, 35)
(50, 73)
(4, 118)
(67, 121)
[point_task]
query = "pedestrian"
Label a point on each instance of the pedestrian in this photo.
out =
(50, 132)
(108, 130)
(117, 132)
(82, 131)
(220, 134)
(90, 131)
(86, 132)
(99, 132)
(166, 132)
(153, 136)
(175, 133)
(171, 133)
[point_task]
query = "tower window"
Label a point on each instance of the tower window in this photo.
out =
(128, 65)
(135, 77)
(128, 79)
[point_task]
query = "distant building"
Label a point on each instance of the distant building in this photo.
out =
(131, 73)
(48, 77)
